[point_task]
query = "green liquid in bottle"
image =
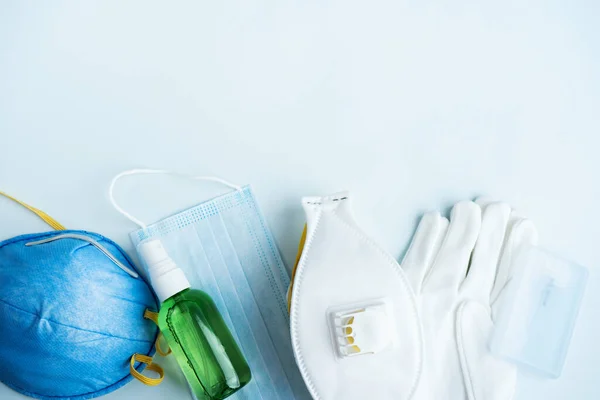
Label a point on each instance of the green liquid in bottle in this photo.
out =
(210, 358)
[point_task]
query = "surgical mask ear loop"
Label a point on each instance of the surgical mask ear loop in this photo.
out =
(136, 221)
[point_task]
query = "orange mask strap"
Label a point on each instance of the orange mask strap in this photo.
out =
(300, 249)
(149, 366)
(153, 316)
(45, 217)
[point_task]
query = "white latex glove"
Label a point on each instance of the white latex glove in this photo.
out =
(458, 271)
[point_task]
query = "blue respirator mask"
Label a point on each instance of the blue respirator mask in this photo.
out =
(74, 315)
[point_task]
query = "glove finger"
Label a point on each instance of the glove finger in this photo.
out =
(521, 236)
(451, 264)
(486, 255)
(484, 201)
(423, 248)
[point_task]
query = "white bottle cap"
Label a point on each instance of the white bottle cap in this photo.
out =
(166, 277)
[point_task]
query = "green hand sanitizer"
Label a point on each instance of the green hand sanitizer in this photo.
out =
(211, 360)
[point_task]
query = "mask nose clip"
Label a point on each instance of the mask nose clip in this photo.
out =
(360, 330)
(90, 241)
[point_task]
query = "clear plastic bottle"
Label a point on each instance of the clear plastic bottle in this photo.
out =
(211, 360)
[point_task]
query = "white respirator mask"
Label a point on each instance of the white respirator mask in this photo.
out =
(354, 324)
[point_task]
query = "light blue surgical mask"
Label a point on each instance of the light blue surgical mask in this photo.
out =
(225, 249)
(72, 312)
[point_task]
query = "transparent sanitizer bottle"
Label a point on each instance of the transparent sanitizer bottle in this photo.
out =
(211, 360)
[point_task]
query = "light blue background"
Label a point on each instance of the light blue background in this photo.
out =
(411, 105)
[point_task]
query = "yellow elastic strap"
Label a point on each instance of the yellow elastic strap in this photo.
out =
(300, 249)
(150, 367)
(45, 217)
(153, 316)
(159, 348)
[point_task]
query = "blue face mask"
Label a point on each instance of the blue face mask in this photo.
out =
(71, 315)
(225, 249)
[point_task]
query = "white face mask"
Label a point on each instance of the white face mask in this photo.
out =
(348, 301)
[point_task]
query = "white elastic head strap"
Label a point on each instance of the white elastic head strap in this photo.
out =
(136, 221)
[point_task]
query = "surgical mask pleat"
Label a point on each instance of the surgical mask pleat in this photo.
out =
(259, 273)
(264, 276)
(249, 305)
(237, 305)
(266, 244)
(188, 249)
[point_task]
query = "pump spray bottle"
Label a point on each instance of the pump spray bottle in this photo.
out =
(189, 319)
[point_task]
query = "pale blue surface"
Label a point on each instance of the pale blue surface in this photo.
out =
(411, 105)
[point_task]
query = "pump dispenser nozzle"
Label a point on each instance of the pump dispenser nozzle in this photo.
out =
(166, 277)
